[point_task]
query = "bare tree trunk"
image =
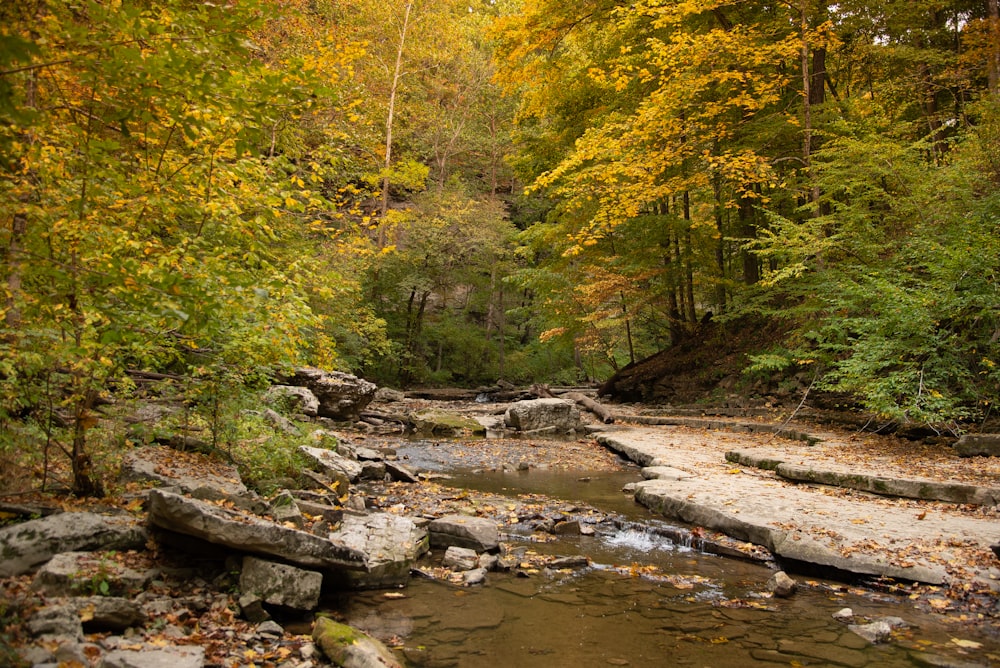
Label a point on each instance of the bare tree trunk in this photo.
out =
(397, 74)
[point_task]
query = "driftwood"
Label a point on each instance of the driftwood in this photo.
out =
(601, 411)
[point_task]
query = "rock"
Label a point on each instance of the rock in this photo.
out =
(490, 562)
(280, 584)
(474, 577)
(73, 573)
(280, 422)
(400, 473)
(387, 395)
(107, 613)
(284, 508)
(56, 620)
(476, 533)
(191, 473)
(252, 607)
(341, 396)
(373, 470)
(26, 545)
(349, 647)
(442, 422)
(155, 657)
(567, 528)
(577, 561)
(875, 632)
(845, 615)
(242, 531)
(541, 413)
(781, 585)
(938, 661)
(391, 545)
(460, 559)
(974, 445)
(292, 399)
(270, 628)
(333, 463)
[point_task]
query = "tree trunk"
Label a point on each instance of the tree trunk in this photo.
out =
(994, 31)
(692, 316)
(748, 230)
(397, 74)
(720, 245)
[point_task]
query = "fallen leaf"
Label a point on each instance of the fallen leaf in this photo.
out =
(967, 644)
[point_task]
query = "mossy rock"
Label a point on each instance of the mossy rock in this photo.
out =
(444, 423)
(348, 647)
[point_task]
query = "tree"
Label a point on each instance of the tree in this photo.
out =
(146, 209)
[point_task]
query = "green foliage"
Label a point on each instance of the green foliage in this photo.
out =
(264, 456)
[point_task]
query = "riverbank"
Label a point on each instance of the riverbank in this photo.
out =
(705, 472)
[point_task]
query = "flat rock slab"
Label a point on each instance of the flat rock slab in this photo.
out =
(475, 533)
(190, 472)
(25, 545)
(862, 535)
(850, 478)
(248, 533)
(156, 657)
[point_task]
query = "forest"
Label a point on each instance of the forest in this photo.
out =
(448, 193)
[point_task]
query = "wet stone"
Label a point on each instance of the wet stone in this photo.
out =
(831, 654)
(460, 559)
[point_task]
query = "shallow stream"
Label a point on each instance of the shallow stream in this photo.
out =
(645, 601)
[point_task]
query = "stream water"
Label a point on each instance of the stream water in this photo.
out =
(645, 601)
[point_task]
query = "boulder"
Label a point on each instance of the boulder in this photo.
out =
(460, 559)
(280, 584)
(341, 396)
(444, 423)
(348, 647)
(25, 545)
(875, 632)
(781, 585)
(975, 445)
(391, 545)
(475, 533)
(245, 532)
(293, 399)
(476, 576)
(543, 413)
(333, 463)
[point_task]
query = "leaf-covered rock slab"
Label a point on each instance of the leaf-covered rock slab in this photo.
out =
(29, 544)
(245, 532)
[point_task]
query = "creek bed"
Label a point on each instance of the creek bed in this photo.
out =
(646, 600)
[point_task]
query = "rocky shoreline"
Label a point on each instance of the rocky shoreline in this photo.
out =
(170, 575)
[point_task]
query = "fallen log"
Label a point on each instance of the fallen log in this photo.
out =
(601, 411)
